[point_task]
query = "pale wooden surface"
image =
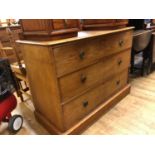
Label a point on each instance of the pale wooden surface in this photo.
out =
(135, 114)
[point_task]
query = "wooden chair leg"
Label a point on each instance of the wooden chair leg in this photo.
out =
(21, 97)
(143, 65)
(18, 92)
(145, 70)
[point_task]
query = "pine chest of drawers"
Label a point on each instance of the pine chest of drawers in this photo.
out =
(74, 81)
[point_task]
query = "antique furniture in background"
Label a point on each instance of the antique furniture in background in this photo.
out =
(141, 42)
(7, 22)
(137, 23)
(74, 81)
(49, 29)
(14, 55)
(4, 38)
(103, 24)
(152, 25)
(152, 49)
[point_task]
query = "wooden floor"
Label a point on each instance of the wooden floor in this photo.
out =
(135, 114)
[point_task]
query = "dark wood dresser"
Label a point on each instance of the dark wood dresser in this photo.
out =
(74, 81)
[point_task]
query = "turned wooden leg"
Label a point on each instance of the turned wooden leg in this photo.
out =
(21, 97)
(18, 87)
(143, 65)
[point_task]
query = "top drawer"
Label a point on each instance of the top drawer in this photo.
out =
(76, 55)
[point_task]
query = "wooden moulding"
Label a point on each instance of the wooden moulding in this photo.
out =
(43, 37)
(89, 119)
(102, 27)
(104, 24)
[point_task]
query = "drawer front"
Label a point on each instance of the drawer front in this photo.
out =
(74, 56)
(77, 82)
(77, 109)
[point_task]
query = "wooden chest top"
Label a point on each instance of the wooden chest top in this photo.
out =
(81, 35)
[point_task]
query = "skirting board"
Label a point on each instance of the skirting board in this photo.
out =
(89, 119)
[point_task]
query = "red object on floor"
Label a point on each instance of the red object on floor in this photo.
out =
(7, 106)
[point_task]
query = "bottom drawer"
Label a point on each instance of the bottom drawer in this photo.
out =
(78, 108)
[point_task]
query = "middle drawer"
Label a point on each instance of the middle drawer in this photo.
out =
(73, 84)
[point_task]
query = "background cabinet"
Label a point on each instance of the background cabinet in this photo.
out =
(49, 29)
(103, 24)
